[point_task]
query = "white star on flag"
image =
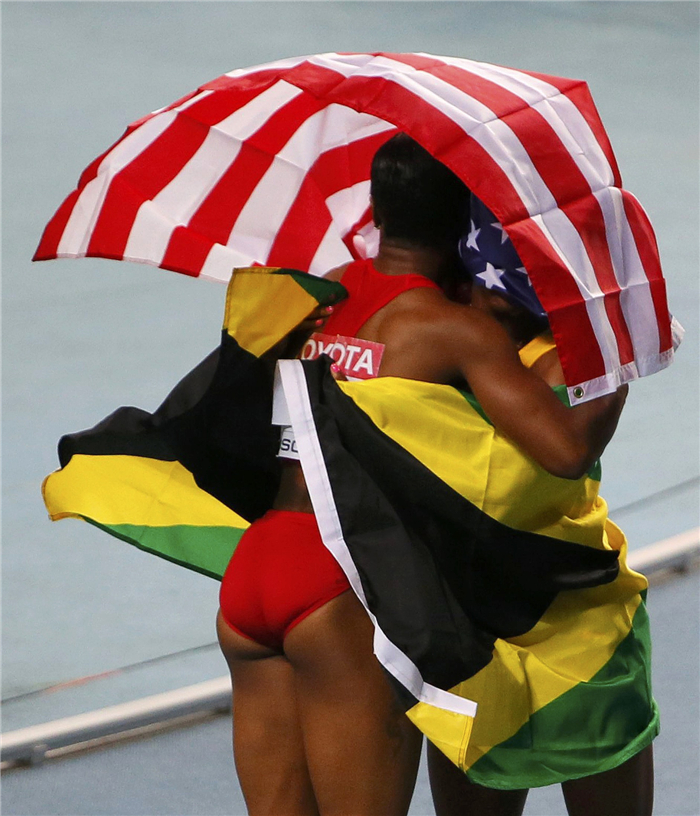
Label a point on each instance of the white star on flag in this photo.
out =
(491, 277)
(473, 235)
(504, 234)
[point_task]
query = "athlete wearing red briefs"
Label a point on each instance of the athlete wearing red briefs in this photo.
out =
(317, 728)
(281, 571)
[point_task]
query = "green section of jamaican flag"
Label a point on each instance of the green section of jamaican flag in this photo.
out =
(593, 727)
(203, 549)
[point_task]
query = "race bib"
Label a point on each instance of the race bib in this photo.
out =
(357, 359)
(288, 444)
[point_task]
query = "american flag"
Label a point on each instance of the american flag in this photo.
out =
(270, 165)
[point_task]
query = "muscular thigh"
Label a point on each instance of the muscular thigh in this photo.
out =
(455, 795)
(267, 739)
(627, 790)
(332, 653)
(361, 749)
(333, 641)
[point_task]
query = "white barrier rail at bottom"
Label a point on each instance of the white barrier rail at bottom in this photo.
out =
(29, 745)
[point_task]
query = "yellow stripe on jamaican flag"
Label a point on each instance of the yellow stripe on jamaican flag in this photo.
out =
(153, 504)
(133, 474)
(264, 304)
(571, 696)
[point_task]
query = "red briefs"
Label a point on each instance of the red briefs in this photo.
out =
(280, 572)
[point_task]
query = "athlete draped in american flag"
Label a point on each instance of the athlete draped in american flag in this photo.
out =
(270, 165)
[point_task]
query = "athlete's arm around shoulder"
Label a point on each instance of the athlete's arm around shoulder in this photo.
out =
(448, 340)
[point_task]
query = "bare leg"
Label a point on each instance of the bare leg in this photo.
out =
(455, 795)
(627, 790)
(362, 751)
(267, 741)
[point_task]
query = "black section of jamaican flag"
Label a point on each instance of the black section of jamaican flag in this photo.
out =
(216, 422)
(442, 578)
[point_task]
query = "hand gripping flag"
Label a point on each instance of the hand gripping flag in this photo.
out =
(270, 165)
(480, 571)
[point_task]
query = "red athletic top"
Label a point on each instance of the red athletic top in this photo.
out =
(368, 291)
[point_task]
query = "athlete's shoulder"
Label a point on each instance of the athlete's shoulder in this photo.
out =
(337, 273)
(426, 313)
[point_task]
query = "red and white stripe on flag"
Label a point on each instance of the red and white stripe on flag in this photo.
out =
(270, 165)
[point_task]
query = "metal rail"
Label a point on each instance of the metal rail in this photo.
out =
(30, 745)
(675, 553)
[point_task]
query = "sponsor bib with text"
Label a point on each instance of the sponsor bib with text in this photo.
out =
(357, 359)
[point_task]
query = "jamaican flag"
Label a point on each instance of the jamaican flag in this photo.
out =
(186, 481)
(413, 490)
(570, 694)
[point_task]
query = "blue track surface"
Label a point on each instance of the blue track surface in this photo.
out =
(191, 771)
(82, 337)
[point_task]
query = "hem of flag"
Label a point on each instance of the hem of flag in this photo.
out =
(106, 528)
(636, 746)
(608, 383)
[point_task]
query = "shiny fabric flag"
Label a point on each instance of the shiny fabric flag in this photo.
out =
(411, 522)
(173, 483)
(568, 696)
(270, 165)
